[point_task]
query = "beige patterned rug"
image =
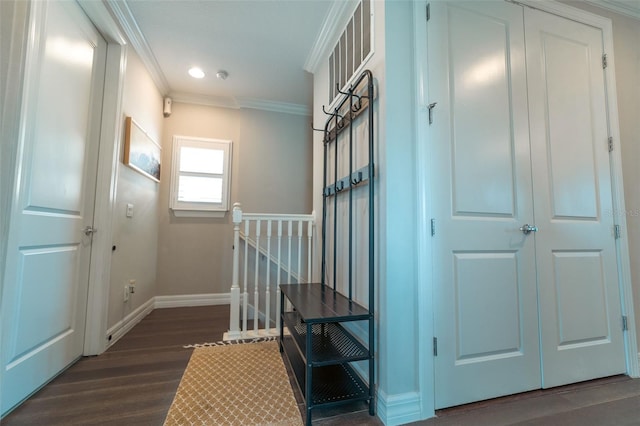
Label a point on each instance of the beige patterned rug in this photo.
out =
(243, 384)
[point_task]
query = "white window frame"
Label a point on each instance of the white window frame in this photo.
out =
(187, 209)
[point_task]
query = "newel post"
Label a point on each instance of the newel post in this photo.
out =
(234, 320)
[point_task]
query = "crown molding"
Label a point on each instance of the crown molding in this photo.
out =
(282, 107)
(233, 103)
(335, 21)
(122, 13)
(630, 8)
(215, 101)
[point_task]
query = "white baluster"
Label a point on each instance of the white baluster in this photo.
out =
(234, 320)
(290, 229)
(245, 300)
(256, 298)
(299, 250)
(267, 296)
(279, 266)
(309, 238)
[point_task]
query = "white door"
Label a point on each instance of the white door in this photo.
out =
(580, 312)
(486, 314)
(45, 287)
(520, 140)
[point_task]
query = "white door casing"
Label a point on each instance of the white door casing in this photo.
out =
(45, 285)
(486, 317)
(482, 289)
(580, 312)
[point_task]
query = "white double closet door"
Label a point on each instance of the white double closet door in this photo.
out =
(519, 136)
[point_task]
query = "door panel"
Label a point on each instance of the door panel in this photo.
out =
(47, 296)
(580, 316)
(579, 281)
(568, 115)
(490, 330)
(483, 159)
(486, 313)
(46, 282)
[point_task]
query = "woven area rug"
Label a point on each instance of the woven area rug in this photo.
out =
(241, 384)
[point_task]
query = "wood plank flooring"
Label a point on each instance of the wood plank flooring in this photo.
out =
(133, 383)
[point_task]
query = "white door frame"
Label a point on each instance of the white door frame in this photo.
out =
(425, 200)
(108, 162)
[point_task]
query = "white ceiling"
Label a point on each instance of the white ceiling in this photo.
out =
(262, 44)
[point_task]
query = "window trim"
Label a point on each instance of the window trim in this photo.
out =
(187, 209)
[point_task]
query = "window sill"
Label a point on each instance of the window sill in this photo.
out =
(216, 214)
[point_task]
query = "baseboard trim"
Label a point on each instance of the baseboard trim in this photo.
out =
(184, 300)
(399, 409)
(122, 327)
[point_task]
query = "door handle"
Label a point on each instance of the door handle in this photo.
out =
(89, 230)
(527, 229)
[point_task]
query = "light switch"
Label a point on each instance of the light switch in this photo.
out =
(129, 210)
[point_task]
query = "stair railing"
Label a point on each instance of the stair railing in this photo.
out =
(268, 250)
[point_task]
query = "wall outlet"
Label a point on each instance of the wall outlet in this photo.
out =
(126, 293)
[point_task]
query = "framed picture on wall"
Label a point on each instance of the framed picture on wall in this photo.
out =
(141, 153)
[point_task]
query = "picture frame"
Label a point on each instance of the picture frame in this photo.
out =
(141, 153)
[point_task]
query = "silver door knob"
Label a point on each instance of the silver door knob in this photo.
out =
(526, 228)
(89, 230)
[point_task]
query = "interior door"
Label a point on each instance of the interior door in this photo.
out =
(486, 316)
(45, 287)
(580, 313)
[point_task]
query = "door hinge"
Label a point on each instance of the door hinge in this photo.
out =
(610, 143)
(604, 60)
(625, 323)
(616, 231)
(435, 346)
(433, 227)
(430, 107)
(428, 11)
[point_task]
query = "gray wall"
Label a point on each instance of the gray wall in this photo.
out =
(136, 238)
(271, 173)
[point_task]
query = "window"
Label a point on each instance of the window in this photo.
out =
(200, 177)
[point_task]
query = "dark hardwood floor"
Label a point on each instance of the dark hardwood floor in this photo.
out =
(133, 383)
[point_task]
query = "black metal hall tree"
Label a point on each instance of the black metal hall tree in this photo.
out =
(320, 346)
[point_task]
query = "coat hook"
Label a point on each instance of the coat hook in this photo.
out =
(357, 179)
(358, 104)
(349, 93)
(334, 114)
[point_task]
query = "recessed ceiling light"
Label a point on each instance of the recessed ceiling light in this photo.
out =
(222, 74)
(196, 72)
